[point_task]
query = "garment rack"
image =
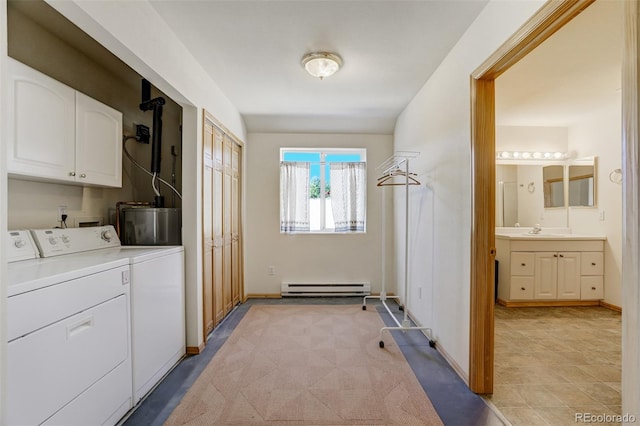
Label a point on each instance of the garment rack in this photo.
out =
(394, 166)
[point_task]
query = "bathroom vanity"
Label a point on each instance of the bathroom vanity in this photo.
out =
(550, 269)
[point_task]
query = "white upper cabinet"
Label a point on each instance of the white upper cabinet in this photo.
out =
(98, 151)
(55, 133)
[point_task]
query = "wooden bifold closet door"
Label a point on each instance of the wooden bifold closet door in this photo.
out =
(222, 236)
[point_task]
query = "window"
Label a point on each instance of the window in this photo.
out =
(322, 190)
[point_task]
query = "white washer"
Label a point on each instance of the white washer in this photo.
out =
(69, 346)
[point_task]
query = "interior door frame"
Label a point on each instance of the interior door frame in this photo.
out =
(549, 19)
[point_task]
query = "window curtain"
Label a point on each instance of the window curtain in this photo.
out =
(348, 195)
(294, 196)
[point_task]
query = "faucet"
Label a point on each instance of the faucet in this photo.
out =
(536, 229)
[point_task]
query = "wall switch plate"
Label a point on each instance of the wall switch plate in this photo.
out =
(271, 270)
(601, 215)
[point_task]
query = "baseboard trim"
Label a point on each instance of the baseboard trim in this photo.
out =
(263, 296)
(610, 306)
(195, 350)
(456, 367)
(548, 303)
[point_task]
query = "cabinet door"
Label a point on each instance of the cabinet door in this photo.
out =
(568, 275)
(218, 246)
(522, 263)
(236, 265)
(226, 227)
(592, 263)
(98, 143)
(207, 229)
(546, 275)
(592, 287)
(521, 288)
(40, 125)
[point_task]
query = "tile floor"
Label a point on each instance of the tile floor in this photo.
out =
(552, 363)
(452, 399)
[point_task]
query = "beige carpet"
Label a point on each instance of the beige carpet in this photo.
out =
(306, 365)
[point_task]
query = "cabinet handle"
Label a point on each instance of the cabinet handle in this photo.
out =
(522, 288)
(523, 264)
(562, 255)
(555, 255)
(72, 173)
(593, 288)
(593, 263)
(83, 175)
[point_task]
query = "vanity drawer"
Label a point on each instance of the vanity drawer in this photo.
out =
(522, 263)
(592, 288)
(592, 263)
(521, 288)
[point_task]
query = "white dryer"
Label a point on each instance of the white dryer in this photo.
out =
(157, 311)
(69, 346)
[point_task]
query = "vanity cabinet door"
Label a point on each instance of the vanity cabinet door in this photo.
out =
(568, 275)
(546, 275)
(521, 288)
(592, 263)
(522, 263)
(592, 288)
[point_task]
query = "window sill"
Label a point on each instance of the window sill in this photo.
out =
(324, 233)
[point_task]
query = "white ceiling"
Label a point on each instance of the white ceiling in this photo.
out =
(252, 49)
(573, 73)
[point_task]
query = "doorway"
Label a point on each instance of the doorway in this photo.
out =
(551, 17)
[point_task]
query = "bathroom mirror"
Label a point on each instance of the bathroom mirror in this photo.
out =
(553, 186)
(582, 182)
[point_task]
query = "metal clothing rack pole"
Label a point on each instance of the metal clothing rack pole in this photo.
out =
(393, 164)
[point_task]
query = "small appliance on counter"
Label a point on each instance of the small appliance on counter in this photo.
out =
(151, 226)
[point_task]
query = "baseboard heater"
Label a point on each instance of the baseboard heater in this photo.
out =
(325, 289)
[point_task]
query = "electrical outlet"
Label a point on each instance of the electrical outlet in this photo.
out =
(62, 210)
(271, 270)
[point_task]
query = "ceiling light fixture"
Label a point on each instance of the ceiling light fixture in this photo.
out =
(321, 64)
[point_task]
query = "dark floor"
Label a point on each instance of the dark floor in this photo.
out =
(455, 403)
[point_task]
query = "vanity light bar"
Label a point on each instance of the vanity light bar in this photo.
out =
(529, 155)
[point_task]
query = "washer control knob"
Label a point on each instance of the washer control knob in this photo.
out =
(106, 235)
(65, 239)
(52, 241)
(19, 243)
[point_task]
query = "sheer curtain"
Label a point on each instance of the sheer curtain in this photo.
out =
(294, 196)
(348, 195)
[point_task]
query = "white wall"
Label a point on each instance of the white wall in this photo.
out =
(3, 215)
(601, 134)
(308, 258)
(437, 123)
(529, 138)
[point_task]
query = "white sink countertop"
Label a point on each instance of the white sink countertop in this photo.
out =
(523, 233)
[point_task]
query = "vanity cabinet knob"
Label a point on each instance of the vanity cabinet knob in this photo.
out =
(522, 288)
(72, 173)
(593, 288)
(593, 263)
(83, 175)
(555, 255)
(562, 255)
(523, 264)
